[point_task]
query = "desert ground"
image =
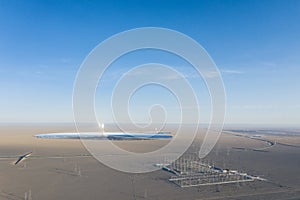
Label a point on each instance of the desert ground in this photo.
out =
(63, 169)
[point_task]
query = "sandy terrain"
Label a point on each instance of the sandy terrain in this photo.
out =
(72, 176)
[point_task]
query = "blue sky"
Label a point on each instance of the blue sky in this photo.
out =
(255, 44)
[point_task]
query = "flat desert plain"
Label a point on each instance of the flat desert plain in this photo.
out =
(64, 169)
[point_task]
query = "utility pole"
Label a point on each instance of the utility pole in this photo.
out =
(133, 187)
